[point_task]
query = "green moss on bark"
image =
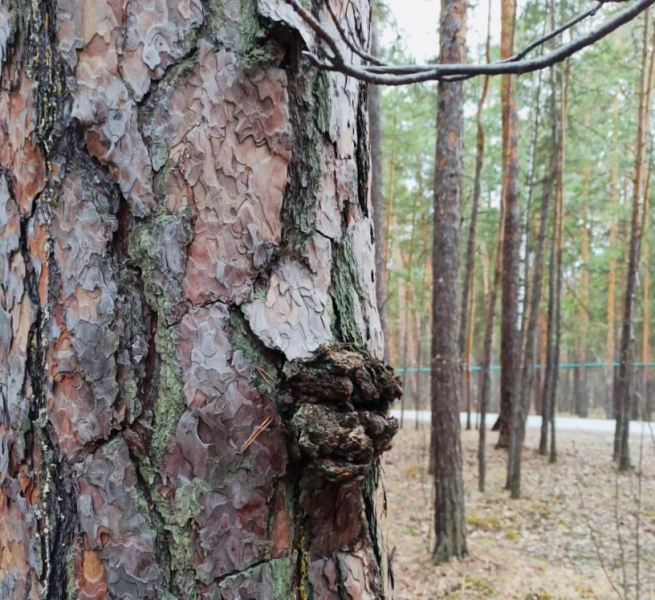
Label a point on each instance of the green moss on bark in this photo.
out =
(173, 525)
(344, 290)
(266, 361)
(309, 99)
(282, 578)
(164, 295)
(255, 50)
(249, 35)
(169, 405)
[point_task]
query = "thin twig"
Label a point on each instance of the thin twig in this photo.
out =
(555, 32)
(344, 36)
(318, 29)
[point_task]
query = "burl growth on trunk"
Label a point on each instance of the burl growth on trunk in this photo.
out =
(335, 410)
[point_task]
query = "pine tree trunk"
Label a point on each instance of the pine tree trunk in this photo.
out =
(550, 367)
(611, 282)
(185, 232)
(423, 322)
(643, 405)
(550, 371)
(527, 372)
(509, 357)
(485, 371)
(559, 246)
(450, 526)
(582, 394)
(644, 401)
(466, 311)
(527, 228)
(625, 378)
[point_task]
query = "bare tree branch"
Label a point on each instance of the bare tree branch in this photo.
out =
(406, 74)
(354, 47)
(555, 32)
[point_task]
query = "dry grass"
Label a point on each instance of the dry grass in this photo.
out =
(536, 548)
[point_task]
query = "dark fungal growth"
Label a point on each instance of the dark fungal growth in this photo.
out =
(335, 407)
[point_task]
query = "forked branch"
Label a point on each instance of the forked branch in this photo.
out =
(384, 74)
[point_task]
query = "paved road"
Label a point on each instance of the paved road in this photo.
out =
(561, 423)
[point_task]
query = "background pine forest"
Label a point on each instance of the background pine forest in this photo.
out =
(599, 91)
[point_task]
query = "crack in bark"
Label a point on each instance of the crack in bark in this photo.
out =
(164, 535)
(308, 101)
(362, 156)
(345, 283)
(57, 515)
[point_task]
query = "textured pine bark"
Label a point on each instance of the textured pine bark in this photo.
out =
(185, 231)
(509, 343)
(450, 525)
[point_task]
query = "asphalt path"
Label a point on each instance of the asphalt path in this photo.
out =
(561, 423)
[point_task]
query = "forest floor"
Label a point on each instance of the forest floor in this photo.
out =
(572, 535)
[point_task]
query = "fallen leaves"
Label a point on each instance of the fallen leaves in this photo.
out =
(539, 547)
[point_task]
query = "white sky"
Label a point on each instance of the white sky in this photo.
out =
(418, 20)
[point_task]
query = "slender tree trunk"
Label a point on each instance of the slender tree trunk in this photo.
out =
(611, 283)
(485, 374)
(530, 185)
(412, 354)
(644, 404)
(626, 353)
(408, 265)
(509, 357)
(645, 328)
(402, 332)
(539, 386)
(517, 425)
(390, 197)
(392, 344)
(466, 322)
(582, 394)
(406, 347)
(523, 405)
(469, 354)
(550, 371)
(558, 261)
(450, 526)
(549, 375)
(395, 347)
(423, 323)
(377, 200)
(174, 254)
